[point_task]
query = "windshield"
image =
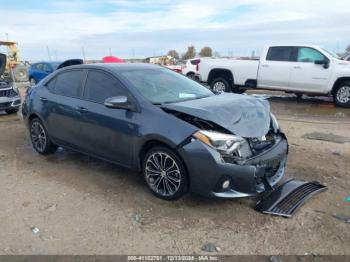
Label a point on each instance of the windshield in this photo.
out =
(165, 86)
(331, 53)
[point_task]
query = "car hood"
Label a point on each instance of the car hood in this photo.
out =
(242, 115)
(2, 64)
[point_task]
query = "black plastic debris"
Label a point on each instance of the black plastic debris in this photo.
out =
(286, 199)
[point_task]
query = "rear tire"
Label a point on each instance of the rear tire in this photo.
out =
(191, 75)
(341, 94)
(220, 85)
(40, 139)
(12, 111)
(164, 173)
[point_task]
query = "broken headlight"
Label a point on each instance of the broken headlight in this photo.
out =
(224, 143)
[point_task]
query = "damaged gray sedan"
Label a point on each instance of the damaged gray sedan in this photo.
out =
(183, 137)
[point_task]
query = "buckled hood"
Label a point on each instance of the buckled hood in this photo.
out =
(2, 63)
(242, 115)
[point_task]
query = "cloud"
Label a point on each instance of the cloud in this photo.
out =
(147, 27)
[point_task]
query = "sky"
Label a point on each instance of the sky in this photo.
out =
(59, 30)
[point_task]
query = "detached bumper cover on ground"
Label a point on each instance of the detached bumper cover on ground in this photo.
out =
(289, 197)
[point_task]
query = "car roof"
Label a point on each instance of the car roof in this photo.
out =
(47, 62)
(118, 67)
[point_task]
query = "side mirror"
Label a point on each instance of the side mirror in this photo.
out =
(324, 62)
(119, 102)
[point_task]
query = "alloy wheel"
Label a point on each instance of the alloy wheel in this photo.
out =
(162, 174)
(38, 136)
(343, 94)
(219, 87)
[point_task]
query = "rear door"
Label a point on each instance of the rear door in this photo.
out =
(308, 76)
(274, 69)
(107, 132)
(63, 112)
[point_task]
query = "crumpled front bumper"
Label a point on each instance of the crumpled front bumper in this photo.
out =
(207, 170)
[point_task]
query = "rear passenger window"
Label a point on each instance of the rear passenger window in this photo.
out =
(280, 53)
(100, 86)
(69, 83)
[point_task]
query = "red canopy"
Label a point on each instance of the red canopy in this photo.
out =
(112, 59)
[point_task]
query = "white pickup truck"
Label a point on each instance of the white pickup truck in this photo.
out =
(304, 69)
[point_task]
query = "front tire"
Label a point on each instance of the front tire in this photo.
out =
(341, 94)
(40, 138)
(165, 173)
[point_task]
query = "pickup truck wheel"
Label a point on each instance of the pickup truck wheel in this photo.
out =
(220, 85)
(341, 94)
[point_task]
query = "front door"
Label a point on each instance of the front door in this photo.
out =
(308, 76)
(106, 132)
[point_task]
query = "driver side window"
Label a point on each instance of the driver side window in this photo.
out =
(100, 86)
(309, 55)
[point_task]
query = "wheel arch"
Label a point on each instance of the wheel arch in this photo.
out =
(35, 115)
(338, 81)
(221, 72)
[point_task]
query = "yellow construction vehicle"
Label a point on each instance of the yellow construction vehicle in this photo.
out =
(15, 69)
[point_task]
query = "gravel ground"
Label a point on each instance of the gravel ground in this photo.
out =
(68, 203)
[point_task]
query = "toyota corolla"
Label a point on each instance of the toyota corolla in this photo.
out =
(179, 134)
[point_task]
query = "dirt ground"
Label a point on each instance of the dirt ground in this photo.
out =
(68, 203)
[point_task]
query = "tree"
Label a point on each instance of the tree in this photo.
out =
(191, 53)
(174, 54)
(206, 52)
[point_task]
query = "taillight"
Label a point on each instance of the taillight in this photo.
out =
(197, 66)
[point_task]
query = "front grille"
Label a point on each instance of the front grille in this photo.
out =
(8, 93)
(287, 198)
(292, 202)
(5, 105)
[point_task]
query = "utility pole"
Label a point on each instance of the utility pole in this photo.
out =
(83, 52)
(48, 53)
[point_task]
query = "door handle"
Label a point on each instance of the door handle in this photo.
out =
(265, 65)
(82, 109)
(43, 99)
(297, 67)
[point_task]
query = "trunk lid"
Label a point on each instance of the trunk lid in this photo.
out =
(240, 114)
